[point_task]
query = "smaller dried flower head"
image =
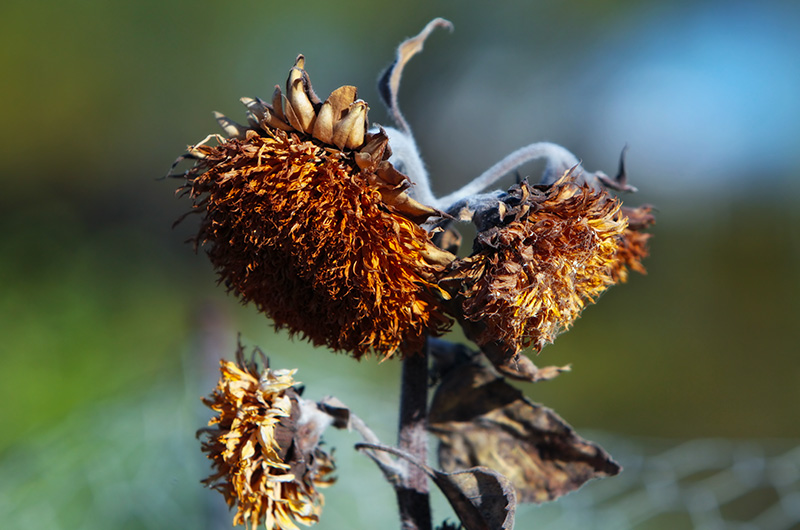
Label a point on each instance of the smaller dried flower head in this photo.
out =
(305, 217)
(545, 254)
(266, 460)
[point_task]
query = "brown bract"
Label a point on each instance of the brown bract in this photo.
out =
(304, 216)
(547, 252)
(262, 465)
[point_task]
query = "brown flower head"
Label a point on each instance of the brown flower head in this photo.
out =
(305, 217)
(264, 460)
(538, 260)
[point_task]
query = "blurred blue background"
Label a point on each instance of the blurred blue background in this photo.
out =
(112, 327)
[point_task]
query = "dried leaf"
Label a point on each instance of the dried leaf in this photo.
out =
(514, 365)
(338, 411)
(522, 368)
(481, 420)
(482, 498)
(389, 83)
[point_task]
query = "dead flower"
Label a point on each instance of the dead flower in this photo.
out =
(265, 462)
(539, 259)
(305, 217)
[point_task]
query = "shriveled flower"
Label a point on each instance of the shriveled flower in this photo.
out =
(265, 462)
(306, 218)
(545, 253)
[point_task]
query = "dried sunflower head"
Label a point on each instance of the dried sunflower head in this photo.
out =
(538, 259)
(266, 459)
(305, 217)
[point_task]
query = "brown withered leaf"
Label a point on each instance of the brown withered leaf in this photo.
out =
(481, 420)
(482, 498)
(509, 363)
(389, 83)
(522, 368)
(338, 411)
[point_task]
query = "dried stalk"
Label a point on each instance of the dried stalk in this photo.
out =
(412, 493)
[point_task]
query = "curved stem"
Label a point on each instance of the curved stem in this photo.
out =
(559, 160)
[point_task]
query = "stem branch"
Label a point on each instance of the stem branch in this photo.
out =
(558, 161)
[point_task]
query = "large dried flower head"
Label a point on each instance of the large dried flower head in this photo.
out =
(266, 460)
(304, 216)
(538, 260)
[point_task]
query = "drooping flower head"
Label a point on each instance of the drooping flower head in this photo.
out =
(304, 216)
(539, 259)
(265, 463)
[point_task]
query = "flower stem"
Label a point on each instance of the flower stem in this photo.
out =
(558, 161)
(412, 494)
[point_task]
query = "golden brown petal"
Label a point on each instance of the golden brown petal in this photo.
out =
(294, 118)
(256, 109)
(272, 121)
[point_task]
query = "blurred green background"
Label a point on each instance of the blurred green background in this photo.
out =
(111, 325)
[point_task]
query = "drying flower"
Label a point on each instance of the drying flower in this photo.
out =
(266, 460)
(539, 258)
(310, 215)
(305, 214)
(305, 217)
